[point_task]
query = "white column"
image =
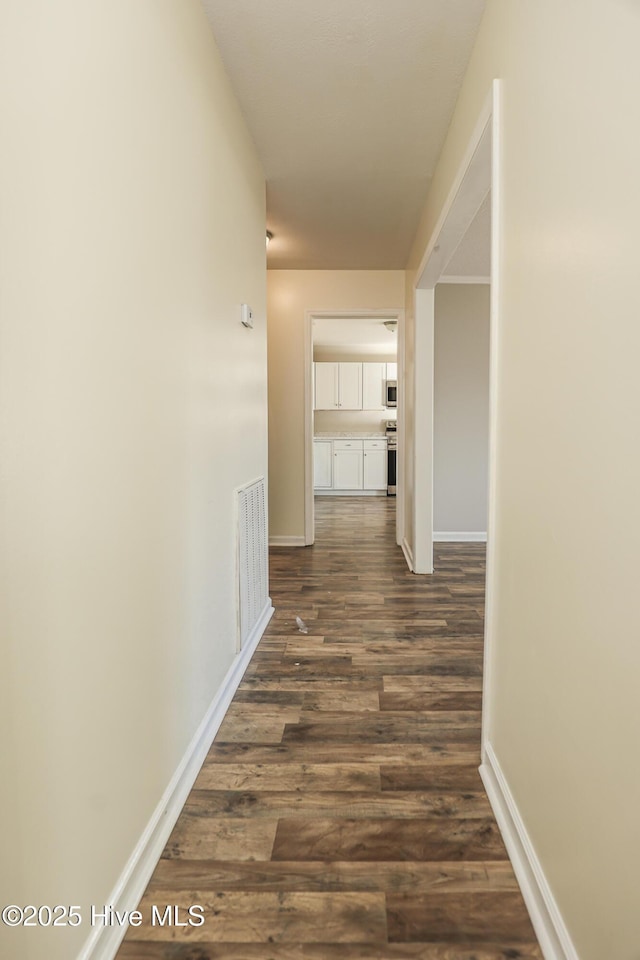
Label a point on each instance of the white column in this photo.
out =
(423, 421)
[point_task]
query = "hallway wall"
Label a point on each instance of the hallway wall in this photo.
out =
(461, 408)
(565, 660)
(132, 228)
(290, 294)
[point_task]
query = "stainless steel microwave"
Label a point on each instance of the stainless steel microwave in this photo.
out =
(391, 393)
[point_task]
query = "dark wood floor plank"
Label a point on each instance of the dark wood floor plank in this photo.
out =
(432, 776)
(311, 684)
(443, 751)
(339, 814)
(223, 838)
(459, 917)
(302, 777)
(404, 728)
(327, 951)
(447, 700)
(396, 683)
(265, 917)
(346, 701)
(258, 695)
(307, 875)
(387, 839)
(396, 805)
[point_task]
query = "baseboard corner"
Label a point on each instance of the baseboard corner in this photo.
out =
(408, 553)
(553, 936)
(284, 541)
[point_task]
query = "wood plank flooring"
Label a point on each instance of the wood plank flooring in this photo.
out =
(340, 814)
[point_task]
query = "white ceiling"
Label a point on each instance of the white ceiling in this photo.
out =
(356, 332)
(348, 102)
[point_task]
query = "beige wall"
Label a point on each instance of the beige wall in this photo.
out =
(365, 354)
(563, 707)
(362, 421)
(461, 408)
(290, 294)
(132, 229)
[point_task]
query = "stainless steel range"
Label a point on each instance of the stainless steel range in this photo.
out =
(392, 455)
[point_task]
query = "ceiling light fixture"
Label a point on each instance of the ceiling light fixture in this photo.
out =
(391, 325)
(269, 236)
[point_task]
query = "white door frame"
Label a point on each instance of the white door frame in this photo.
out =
(309, 316)
(479, 171)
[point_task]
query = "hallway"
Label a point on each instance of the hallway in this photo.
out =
(340, 813)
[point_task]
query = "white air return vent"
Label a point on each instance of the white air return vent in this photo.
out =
(253, 575)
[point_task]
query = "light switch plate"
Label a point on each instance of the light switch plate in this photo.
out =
(246, 315)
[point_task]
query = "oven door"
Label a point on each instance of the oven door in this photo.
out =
(391, 469)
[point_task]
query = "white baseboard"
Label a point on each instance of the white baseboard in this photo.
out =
(408, 553)
(104, 941)
(287, 542)
(457, 536)
(552, 934)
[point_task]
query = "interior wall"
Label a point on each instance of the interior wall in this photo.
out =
(290, 294)
(461, 408)
(356, 354)
(356, 421)
(132, 228)
(562, 707)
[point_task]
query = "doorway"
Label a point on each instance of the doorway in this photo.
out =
(350, 359)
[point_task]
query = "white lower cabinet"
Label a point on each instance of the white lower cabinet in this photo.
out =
(322, 464)
(375, 465)
(348, 465)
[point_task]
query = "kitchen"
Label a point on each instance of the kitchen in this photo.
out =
(354, 406)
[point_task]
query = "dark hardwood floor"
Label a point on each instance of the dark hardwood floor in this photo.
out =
(339, 813)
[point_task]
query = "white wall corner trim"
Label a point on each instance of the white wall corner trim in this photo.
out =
(553, 936)
(466, 279)
(285, 541)
(104, 941)
(460, 536)
(408, 553)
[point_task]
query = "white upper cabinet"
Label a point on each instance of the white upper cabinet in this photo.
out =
(326, 386)
(373, 380)
(338, 386)
(350, 386)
